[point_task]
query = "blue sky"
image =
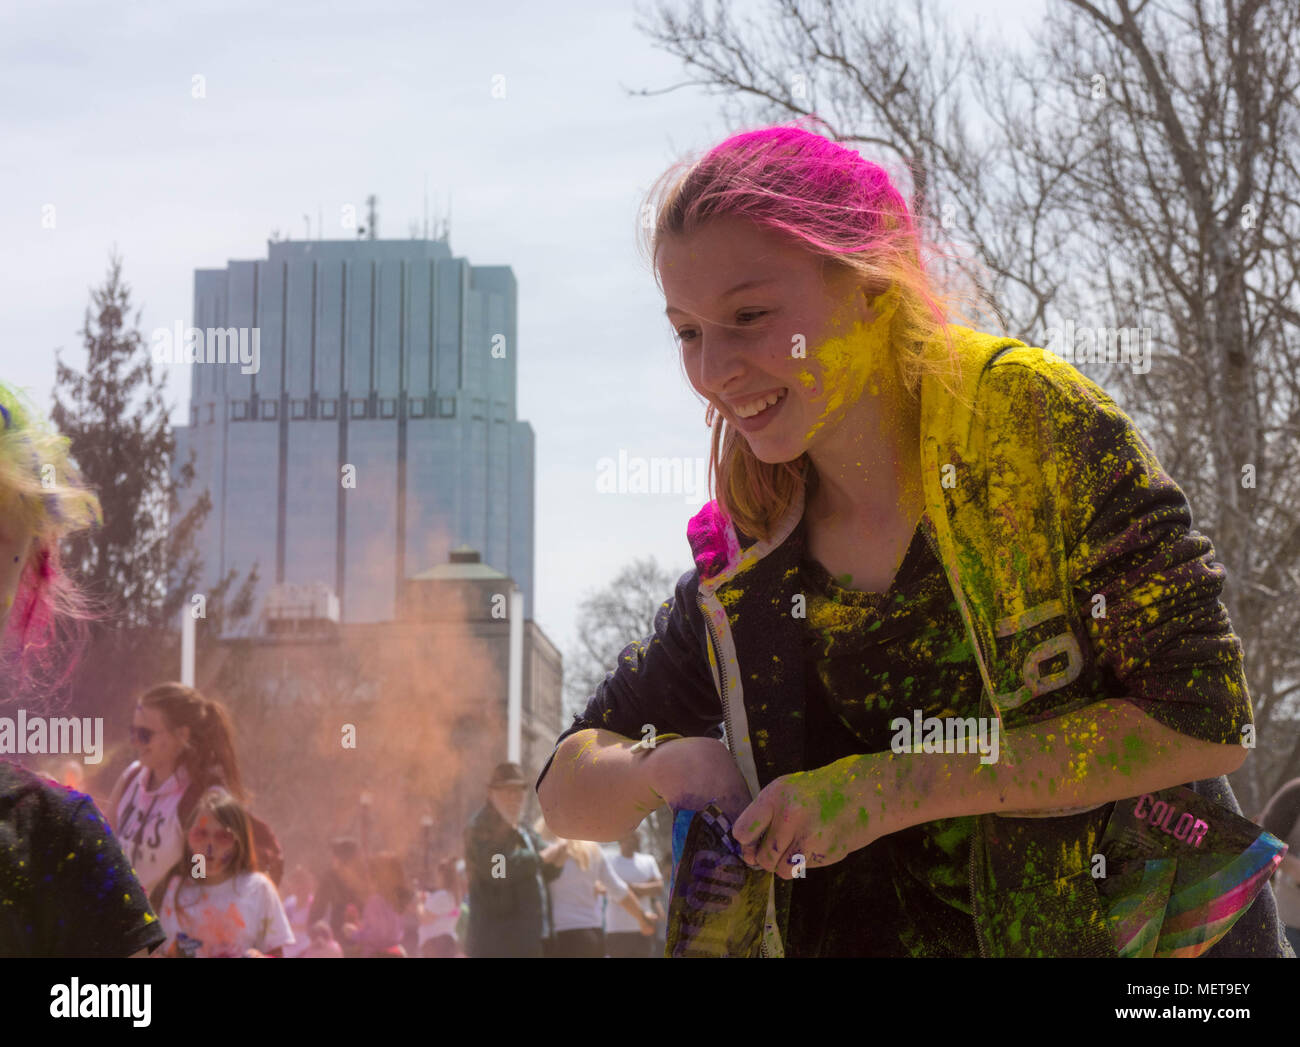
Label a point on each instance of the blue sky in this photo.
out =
(312, 106)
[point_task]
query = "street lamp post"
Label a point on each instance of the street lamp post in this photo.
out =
(426, 824)
(366, 800)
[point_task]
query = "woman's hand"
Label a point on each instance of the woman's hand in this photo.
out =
(690, 773)
(822, 815)
(648, 923)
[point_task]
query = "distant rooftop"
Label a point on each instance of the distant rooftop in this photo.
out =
(357, 250)
(463, 563)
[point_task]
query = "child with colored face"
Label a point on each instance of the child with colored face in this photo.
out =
(216, 844)
(215, 903)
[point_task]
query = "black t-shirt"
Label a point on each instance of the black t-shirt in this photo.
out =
(66, 888)
(869, 659)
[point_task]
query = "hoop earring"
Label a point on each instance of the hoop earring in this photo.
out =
(709, 416)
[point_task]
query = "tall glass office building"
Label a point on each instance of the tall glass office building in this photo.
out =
(387, 356)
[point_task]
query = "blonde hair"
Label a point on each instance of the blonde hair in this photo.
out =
(583, 852)
(829, 200)
(42, 488)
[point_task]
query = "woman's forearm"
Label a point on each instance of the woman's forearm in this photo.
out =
(597, 787)
(1109, 751)
(628, 902)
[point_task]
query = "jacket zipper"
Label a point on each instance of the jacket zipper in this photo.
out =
(726, 719)
(974, 908)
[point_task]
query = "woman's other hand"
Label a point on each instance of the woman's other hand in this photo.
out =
(816, 818)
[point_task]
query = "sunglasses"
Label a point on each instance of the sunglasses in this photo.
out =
(141, 735)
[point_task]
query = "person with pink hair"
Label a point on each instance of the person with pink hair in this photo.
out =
(947, 610)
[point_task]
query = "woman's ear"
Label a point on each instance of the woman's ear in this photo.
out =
(183, 733)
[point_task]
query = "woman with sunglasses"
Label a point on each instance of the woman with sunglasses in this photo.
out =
(185, 747)
(66, 889)
(214, 902)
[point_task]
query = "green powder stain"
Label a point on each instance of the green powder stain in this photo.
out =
(832, 803)
(949, 838)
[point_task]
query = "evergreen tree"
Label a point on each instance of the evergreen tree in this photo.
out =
(143, 559)
(143, 564)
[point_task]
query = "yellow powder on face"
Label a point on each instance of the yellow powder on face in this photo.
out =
(856, 362)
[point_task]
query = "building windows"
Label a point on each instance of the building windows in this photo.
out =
(239, 410)
(480, 409)
(194, 415)
(298, 409)
(387, 408)
(329, 409)
(270, 410)
(501, 415)
(212, 412)
(415, 407)
(446, 407)
(357, 409)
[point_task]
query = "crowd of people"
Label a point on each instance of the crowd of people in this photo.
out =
(534, 894)
(175, 864)
(212, 882)
(214, 875)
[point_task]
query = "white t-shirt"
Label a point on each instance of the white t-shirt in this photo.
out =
(148, 825)
(243, 912)
(296, 910)
(574, 901)
(640, 868)
(441, 911)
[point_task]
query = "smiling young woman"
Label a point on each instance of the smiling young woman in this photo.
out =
(912, 519)
(844, 406)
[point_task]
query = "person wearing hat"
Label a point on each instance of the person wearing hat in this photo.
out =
(508, 870)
